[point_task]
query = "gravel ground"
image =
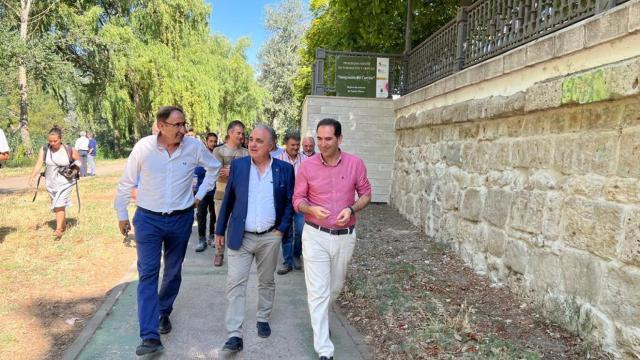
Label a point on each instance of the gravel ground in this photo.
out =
(415, 299)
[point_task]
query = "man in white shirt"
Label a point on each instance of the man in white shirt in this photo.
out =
(4, 147)
(82, 145)
(164, 163)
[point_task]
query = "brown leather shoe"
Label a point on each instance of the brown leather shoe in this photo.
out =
(218, 260)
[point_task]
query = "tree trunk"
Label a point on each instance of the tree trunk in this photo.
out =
(25, 8)
(407, 29)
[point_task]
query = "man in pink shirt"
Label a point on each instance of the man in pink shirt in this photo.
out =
(325, 191)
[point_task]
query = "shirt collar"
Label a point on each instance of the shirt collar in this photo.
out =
(253, 165)
(337, 162)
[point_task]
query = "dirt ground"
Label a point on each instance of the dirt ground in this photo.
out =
(415, 299)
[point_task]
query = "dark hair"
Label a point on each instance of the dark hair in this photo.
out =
(56, 130)
(211, 134)
(191, 130)
(292, 135)
(337, 127)
(165, 111)
(235, 123)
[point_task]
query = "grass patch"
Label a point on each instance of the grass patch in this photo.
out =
(36, 270)
(7, 172)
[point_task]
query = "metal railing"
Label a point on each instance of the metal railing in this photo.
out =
(485, 29)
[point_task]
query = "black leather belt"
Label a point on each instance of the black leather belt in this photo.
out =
(343, 231)
(262, 232)
(172, 213)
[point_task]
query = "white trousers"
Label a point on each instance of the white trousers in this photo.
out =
(326, 258)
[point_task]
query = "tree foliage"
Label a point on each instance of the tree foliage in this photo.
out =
(122, 59)
(279, 62)
(367, 26)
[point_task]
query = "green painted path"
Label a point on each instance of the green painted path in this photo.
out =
(198, 321)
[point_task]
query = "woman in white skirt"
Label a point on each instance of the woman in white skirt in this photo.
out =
(56, 155)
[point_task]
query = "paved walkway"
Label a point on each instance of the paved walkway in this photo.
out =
(198, 320)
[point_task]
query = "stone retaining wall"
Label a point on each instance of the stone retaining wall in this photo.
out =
(539, 189)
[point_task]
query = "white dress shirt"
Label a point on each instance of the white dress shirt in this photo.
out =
(82, 143)
(165, 180)
(261, 209)
(4, 145)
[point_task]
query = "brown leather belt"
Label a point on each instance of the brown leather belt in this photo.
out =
(343, 231)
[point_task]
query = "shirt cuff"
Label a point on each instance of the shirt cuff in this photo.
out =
(123, 215)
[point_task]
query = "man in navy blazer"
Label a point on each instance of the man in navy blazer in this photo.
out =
(255, 213)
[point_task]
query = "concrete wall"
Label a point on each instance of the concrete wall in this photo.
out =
(529, 165)
(367, 129)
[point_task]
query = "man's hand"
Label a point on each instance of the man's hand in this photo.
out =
(220, 240)
(32, 181)
(343, 217)
(125, 227)
(224, 172)
(278, 233)
(318, 212)
(196, 202)
(4, 156)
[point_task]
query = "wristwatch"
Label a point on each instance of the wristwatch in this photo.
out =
(353, 212)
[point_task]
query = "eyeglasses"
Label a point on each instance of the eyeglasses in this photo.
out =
(178, 125)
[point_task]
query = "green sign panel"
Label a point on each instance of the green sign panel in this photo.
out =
(356, 76)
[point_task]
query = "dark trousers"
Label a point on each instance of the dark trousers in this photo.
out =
(153, 233)
(292, 240)
(205, 206)
(83, 162)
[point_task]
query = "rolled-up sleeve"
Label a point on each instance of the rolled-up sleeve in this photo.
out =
(363, 186)
(127, 183)
(212, 167)
(301, 189)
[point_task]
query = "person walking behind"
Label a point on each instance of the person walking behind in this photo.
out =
(231, 150)
(257, 211)
(91, 155)
(308, 146)
(326, 186)
(55, 155)
(206, 205)
(292, 241)
(82, 145)
(164, 165)
(4, 148)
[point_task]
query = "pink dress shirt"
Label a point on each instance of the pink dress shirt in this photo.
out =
(332, 187)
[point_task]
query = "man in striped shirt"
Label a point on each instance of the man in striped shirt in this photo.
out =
(292, 241)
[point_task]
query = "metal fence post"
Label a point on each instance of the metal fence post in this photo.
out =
(604, 5)
(318, 73)
(461, 21)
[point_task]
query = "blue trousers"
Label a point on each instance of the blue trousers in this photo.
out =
(153, 232)
(292, 240)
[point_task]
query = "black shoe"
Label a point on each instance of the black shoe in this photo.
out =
(149, 346)
(202, 244)
(264, 330)
(165, 325)
(284, 270)
(326, 358)
(234, 344)
(297, 263)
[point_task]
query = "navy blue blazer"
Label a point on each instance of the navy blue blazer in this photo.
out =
(233, 211)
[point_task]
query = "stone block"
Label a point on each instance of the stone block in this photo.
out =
(630, 341)
(624, 190)
(604, 83)
(569, 40)
(452, 153)
(496, 242)
(589, 186)
(544, 95)
(448, 194)
(492, 68)
(542, 180)
(630, 113)
(471, 206)
(629, 154)
(582, 275)
(462, 79)
(552, 215)
(586, 153)
(532, 153)
(515, 59)
(594, 324)
(536, 124)
(629, 249)
(634, 17)
(564, 120)
(591, 225)
(604, 28)
(497, 206)
(516, 257)
(527, 211)
(620, 298)
(540, 50)
(469, 131)
(454, 113)
(543, 271)
(602, 116)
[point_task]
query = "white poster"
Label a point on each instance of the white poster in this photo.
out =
(382, 78)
